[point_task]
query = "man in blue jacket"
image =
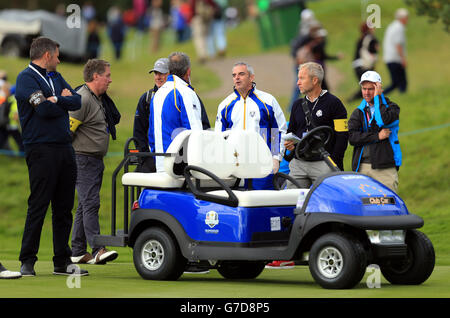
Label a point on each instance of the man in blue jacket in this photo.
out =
(141, 117)
(248, 108)
(174, 108)
(44, 99)
(373, 131)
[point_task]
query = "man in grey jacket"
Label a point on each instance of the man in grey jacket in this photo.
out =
(90, 131)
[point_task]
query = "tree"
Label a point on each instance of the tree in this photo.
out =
(435, 9)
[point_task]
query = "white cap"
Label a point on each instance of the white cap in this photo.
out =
(370, 76)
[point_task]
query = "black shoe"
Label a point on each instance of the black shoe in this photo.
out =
(196, 268)
(70, 269)
(27, 270)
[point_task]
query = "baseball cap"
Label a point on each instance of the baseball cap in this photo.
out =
(161, 66)
(370, 76)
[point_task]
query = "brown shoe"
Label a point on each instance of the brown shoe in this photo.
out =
(83, 259)
(103, 256)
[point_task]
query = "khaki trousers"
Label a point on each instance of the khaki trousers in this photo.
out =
(388, 176)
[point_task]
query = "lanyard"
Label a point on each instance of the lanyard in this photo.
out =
(369, 114)
(49, 82)
(376, 114)
(368, 117)
(308, 116)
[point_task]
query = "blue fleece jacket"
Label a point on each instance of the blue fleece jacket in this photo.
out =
(42, 121)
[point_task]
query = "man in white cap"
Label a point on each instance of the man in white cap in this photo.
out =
(373, 131)
(394, 53)
(140, 129)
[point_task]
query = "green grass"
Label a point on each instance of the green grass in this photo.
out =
(120, 279)
(424, 176)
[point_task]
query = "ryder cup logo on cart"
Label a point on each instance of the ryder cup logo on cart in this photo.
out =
(212, 219)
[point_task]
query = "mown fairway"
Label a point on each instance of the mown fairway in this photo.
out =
(121, 280)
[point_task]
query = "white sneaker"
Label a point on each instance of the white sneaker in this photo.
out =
(83, 259)
(103, 256)
(10, 275)
(6, 274)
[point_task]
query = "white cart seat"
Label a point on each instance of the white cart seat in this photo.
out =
(264, 198)
(252, 155)
(152, 180)
(229, 155)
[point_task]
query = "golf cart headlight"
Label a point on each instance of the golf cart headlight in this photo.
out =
(386, 236)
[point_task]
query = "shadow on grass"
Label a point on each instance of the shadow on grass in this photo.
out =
(267, 282)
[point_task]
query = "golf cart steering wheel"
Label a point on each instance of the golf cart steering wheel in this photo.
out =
(313, 141)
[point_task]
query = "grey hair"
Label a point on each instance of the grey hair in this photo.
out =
(314, 70)
(249, 67)
(179, 63)
(94, 66)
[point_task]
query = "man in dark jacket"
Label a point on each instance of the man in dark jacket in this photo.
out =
(373, 131)
(324, 109)
(44, 99)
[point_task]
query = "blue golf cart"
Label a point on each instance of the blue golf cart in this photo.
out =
(198, 211)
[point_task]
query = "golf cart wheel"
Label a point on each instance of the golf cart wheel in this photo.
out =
(417, 266)
(156, 255)
(240, 269)
(337, 261)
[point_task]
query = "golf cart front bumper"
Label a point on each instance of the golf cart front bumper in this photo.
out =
(363, 222)
(386, 234)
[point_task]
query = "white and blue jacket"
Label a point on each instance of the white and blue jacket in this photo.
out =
(258, 111)
(174, 108)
